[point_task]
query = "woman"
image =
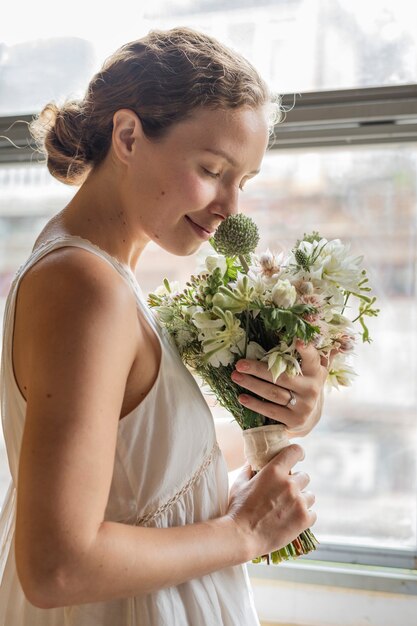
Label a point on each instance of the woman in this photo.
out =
(119, 511)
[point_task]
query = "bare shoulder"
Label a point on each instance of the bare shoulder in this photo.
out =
(78, 268)
(72, 278)
(76, 298)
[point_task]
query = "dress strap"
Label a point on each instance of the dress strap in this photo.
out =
(7, 523)
(80, 242)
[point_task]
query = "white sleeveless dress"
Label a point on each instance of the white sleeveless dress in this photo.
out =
(168, 471)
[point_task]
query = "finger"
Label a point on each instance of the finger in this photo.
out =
(245, 474)
(310, 358)
(301, 478)
(266, 390)
(254, 368)
(312, 518)
(309, 498)
(293, 420)
(287, 457)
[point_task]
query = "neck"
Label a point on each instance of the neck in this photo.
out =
(98, 212)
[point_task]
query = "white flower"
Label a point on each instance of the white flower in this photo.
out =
(281, 359)
(255, 351)
(236, 297)
(340, 372)
(330, 261)
(162, 290)
(191, 310)
(227, 303)
(220, 356)
(270, 263)
(217, 341)
(203, 320)
(183, 338)
(284, 294)
(340, 324)
(216, 260)
(340, 267)
(260, 288)
(165, 314)
(268, 267)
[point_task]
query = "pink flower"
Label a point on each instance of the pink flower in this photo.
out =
(315, 301)
(270, 263)
(304, 287)
(344, 343)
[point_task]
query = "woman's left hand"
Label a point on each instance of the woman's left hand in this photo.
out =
(306, 390)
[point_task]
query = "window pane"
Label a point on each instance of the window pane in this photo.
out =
(298, 45)
(362, 456)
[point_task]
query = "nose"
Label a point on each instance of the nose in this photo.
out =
(228, 201)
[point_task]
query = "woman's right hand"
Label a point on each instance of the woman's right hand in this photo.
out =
(272, 508)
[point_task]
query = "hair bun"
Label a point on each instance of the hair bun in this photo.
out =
(59, 134)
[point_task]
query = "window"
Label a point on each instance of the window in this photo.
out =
(362, 457)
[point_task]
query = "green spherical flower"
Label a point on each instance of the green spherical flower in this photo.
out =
(237, 234)
(302, 259)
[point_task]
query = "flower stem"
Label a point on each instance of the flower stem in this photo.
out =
(243, 263)
(247, 330)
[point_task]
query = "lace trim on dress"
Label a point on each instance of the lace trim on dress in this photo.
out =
(187, 487)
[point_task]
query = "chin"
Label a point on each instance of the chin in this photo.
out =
(186, 249)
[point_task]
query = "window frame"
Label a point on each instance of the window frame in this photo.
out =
(317, 120)
(367, 116)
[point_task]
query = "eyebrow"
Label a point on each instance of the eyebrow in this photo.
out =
(227, 157)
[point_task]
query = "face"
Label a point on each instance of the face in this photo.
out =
(182, 186)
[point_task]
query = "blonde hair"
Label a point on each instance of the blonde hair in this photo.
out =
(162, 77)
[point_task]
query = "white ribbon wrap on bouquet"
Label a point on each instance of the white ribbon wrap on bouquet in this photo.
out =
(263, 443)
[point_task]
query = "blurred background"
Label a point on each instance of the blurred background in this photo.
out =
(344, 162)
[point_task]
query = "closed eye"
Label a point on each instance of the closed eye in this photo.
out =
(217, 175)
(209, 173)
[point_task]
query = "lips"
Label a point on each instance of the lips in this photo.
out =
(203, 232)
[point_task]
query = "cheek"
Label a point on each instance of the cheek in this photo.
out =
(196, 189)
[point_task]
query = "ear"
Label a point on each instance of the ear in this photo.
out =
(127, 132)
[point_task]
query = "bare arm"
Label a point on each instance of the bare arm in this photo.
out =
(81, 319)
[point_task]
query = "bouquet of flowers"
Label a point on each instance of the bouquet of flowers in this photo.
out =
(244, 305)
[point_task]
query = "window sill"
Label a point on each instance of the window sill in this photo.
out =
(371, 578)
(312, 593)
